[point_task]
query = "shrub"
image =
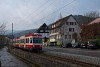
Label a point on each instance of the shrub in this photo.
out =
(98, 42)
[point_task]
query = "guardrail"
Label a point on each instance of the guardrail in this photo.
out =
(52, 59)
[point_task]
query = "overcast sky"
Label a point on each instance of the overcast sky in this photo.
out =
(30, 14)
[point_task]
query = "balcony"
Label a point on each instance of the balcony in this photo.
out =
(52, 34)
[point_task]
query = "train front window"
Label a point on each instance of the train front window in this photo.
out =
(37, 40)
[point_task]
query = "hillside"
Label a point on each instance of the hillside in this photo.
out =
(21, 32)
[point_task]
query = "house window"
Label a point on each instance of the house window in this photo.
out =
(75, 23)
(65, 36)
(41, 30)
(47, 30)
(66, 23)
(71, 29)
(71, 23)
(69, 36)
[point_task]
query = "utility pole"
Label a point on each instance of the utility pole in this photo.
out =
(12, 30)
(12, 35)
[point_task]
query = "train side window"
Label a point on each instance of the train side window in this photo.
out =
(26, 40)
(22, 40)
(30, 40)
(17, 41)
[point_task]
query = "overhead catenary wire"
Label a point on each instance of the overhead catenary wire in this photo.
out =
(54, 11)
(41, 12)
(43, 9)
(37, 8)
(33, 12)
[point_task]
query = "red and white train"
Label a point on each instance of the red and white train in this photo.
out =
(30, 42)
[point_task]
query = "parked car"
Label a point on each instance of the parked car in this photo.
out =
(92, 45)
(69, 45)
(63, 45)
(76, 45)
(84, 45)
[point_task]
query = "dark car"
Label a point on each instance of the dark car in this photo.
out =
(69, 45)
(76, 45)
(84, 45)
(92, 45)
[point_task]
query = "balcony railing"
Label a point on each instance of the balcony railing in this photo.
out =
(52, 34)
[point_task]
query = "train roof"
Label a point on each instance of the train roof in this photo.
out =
(30, 35)
(33, 34)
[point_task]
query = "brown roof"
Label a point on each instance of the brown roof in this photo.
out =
(95, 21)
(43, 27)
(61, 22)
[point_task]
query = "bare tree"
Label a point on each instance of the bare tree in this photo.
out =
(93, 14)
(2, 29)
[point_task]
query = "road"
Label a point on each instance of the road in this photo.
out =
(78, 51)
(8, 60)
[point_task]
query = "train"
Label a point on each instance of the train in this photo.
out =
(31, 42)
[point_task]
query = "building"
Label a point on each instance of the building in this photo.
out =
(65, 30)
(97, 20)
(44, 31)
(4, 40)
(91, 30)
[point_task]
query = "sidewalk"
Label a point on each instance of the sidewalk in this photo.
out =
(7, 60)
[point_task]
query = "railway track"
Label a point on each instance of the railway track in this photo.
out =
(46, 59)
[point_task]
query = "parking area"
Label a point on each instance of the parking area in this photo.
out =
(77, 51)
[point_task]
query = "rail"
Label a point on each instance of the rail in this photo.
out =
(47, 59)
